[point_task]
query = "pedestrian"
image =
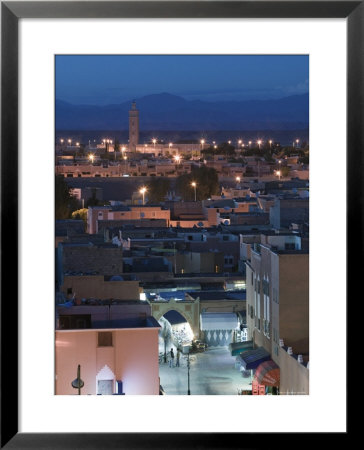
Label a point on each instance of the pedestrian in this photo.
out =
(177, 359)
(171, 359)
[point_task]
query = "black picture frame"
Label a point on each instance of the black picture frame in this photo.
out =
(11, 12)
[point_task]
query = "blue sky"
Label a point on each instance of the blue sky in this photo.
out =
(107, 79)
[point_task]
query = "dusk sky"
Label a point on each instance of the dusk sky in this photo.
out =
(101, 80)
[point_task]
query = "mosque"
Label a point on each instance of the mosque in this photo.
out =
(156, 148)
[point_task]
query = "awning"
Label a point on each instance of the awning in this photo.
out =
(239, 347)
(252, 358)
(218, 321)
(268, 373)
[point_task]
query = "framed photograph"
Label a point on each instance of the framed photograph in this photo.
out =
(45, 47)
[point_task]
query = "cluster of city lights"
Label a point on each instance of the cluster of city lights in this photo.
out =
(144, 189)
(69, 142)
(202, 142)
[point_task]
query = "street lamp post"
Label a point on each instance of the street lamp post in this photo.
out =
(125, 159)
(174, 253)
(193, 184)
(188, 374)
(142, 191)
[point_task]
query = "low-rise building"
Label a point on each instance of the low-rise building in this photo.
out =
(278, 303)
(114, 346)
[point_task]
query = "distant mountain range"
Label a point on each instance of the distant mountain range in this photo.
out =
(170, 112)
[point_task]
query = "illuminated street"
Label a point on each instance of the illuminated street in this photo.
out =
(211, 373)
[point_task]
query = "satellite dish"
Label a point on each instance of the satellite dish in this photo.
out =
(226, 222)
(142, 214)
(77, 383)
(200, 224)
(227, 208)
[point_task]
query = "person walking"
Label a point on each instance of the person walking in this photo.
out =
(177, 358)
(171, 358)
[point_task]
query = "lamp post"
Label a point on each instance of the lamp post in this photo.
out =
(193, 184)
(188, 374)
(238, 180)
(125, 159)
(154, 142)
(91, 158)
(270, 143)
(174, 253)
(143, 191)
(259, 143)
(177, 158)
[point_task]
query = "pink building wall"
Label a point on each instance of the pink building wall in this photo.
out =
(133, 359)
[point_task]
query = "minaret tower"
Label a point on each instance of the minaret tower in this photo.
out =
(133, 127)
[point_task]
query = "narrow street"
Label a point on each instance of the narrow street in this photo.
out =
(212, 372)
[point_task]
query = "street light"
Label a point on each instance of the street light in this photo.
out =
(297, 141)
(202, 142)
(259, 142)
(177, 158)
(193, 184)
(174, 254)
(238, 179)
(91, 158)
(270, 143)
(125, 158)
(143, 191)
(278, 172)
(154, 142)
(188, 374)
